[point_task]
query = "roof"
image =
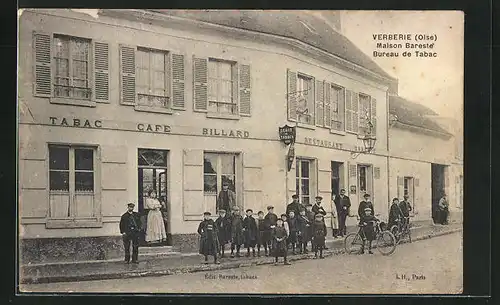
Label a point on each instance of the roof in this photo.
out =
(301, 26)
(414, 114)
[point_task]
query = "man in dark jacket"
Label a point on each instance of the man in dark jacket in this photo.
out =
(395, 213)
(130, 224)
(223, 224)
(343, 204)
(405, 207)
(294, 206)
(226, 199)
(367, 203)
(209, 243)
(250, 231)
(317, 208)
(270, 223)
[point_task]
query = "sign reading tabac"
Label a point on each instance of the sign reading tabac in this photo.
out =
(287, 134)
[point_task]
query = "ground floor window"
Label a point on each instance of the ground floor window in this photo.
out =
(72, 182)
(408, 190)
(303, 180)
(219, 169)
(365, 181)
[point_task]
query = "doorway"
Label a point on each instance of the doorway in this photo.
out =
(438, 187)
(337, 169)
(152, 175)
(365, 181)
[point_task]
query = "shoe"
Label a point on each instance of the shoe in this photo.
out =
(205, 263)
(232, 255)
(286, 263)
(127, 262)
(135, 262)
(276, 263)
(315, 257)
(321, 257)
(247, 255)
(217, 262)
(370, 252)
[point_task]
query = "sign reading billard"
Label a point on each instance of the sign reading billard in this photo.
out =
(225, 133)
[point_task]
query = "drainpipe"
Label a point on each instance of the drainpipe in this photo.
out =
(388, 154)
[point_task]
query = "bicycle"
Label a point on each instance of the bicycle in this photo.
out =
(385, 242)
(402, 229)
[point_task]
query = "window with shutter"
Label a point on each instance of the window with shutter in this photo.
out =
(200, 86)
(354, 112)
(152, 83)
(42, 53)
(320, 101)
(338, 102)
(327, 109)
(364, 113)
(101, 71)
(178, 81)
(349, 123)
(292, 95)
(222, 76)
(374, 116)
(245, 89)
(305, 99)
(127, 75)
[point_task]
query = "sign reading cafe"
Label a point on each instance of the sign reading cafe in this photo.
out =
(287, 134)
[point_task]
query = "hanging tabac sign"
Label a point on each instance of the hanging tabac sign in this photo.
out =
(287, 134)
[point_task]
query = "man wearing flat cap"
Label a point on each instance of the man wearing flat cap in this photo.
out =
(317, 208)
(226, 199)
(130, 224)
(366, 203)
(294, 206)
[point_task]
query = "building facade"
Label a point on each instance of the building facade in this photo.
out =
(114, 105)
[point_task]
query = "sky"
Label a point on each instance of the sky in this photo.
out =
(434, 82)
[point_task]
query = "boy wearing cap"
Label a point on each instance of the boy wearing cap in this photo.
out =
(395, 213)
(261, 237)
(223, 225)
(304, 231)
(367, 203)
(236, 231)
(293, 228)
(250, 231)
(279, 237)
(270, 222)
(319, 234)
(209, 244)
(368, 223)
(310, 217)
(130, 224)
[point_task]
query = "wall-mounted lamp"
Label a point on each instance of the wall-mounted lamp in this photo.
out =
(369, 141)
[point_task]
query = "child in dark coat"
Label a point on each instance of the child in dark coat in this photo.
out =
(270, 222)
(209, 243)
(319, 234)
(368, 222)
(223, 224)
(293, 227)
(236, 232)
(261, 237)
(279, 237)
(304, 231)
(250, 231)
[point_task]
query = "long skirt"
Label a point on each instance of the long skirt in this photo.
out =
(279, 249)
(209, 245)
(293, 237)
(318, 242)
(155, 231)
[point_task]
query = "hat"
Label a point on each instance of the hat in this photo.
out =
(295, 196)
(283, 215)
(406, 196)
(207, 213)
(308, 205)
(270, 207)
(394, 199)
(130, 204)
(236, 208)
(222, 211)
(319, 197)
(318, 215)
(366, 195)
(368, 209)
(249, 210)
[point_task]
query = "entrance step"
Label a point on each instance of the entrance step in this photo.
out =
(159, 251)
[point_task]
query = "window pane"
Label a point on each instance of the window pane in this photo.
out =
(62, 71)
(142, 59)
(158, 62)
(142, 80)
(149, 157)
(305, 168)
(305, 186)
(362, 179)
(226, 91)
(228, 162)
(225, 70)
(84, 181)
(59, 157)
(84, 159)
(159, 80)
(297, 186)
(59, 181)
(297, 168)
(210, 164)
(305, 200)
(212, 69)
(212, 89)
(229, 179)
(80, 70)
(210, 183)
(62, 47)
(80, 49)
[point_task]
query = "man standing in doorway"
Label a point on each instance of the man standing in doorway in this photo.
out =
(130, 224)
(443, 210)
(405, 207)
(343, 204)
(367, 203)
(295, 206)
(226, 199)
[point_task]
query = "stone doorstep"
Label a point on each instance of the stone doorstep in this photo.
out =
(209, 267)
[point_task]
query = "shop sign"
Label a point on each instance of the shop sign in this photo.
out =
(213, 132)
(75, 122)
(287, 134)
(153, 128)
(330, 144)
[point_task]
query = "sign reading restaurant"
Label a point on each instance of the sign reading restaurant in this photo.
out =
(328, 144)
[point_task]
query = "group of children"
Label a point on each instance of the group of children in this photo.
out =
(272, 233)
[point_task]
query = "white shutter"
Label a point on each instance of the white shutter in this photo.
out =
(348, 111)
(101, 72)
(319, 102)
(127, 75)
(245, 90)
(292, 95)
(200, 86)
(354, 112)
(374, 116)
(42, 46)
(178, 83)
(328, 109)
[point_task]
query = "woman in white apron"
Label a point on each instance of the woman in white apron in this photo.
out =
(334, 222)
(155, 231)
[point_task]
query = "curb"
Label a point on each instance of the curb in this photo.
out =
(201, 268)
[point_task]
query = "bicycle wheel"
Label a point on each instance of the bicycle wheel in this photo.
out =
(395, 232)
(386, 243)
(353, 243)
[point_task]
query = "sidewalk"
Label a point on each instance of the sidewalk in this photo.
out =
(182, 263)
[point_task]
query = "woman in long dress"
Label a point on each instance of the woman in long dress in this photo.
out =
(334, 219)
(155, 232)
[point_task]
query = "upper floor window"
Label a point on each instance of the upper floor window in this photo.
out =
(337, 100)
(305, 100)
(70, 70)
(221, 79)
(221, 88)
(152, 80)
(367, 114)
